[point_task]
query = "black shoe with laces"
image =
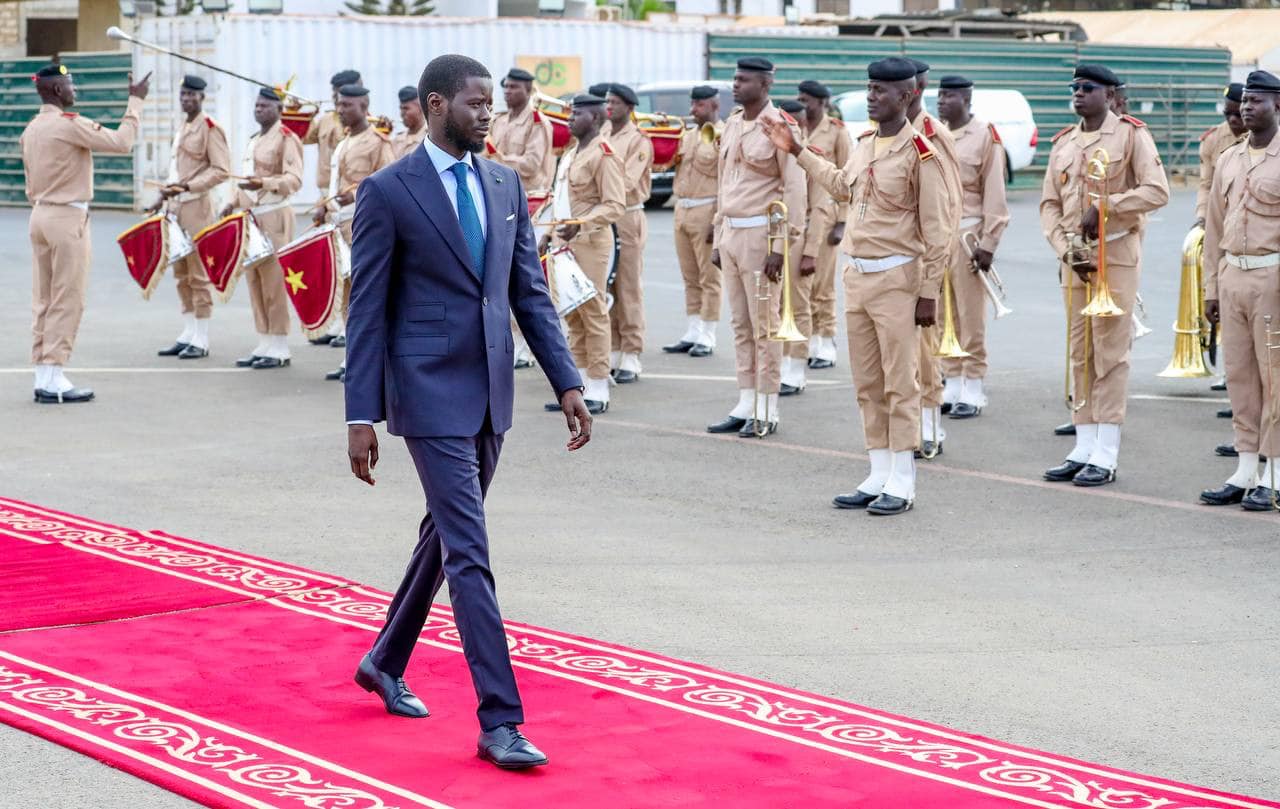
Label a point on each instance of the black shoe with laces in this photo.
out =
(396, 696)
(506, 747)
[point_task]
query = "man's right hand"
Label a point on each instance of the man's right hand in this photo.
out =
(577, 417)
(715, 257)
(226, 211)
(1212, 311)
(1200, 222)
(567, 232)
(140, 89)
(1085, 272)
(780, 135)
(318, 219)
(362, 451)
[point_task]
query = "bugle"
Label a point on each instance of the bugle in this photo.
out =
(992, 284)
(777, 240)
(1191, 333)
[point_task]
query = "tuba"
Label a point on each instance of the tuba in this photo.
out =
(1191, 330)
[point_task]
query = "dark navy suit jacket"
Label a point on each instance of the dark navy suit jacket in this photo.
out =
(429, 347)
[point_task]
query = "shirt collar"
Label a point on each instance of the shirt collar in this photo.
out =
(442, 160)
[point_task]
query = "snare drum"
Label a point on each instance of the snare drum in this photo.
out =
(344, 256)
(259, 247)
(570, 287)
(180, 244)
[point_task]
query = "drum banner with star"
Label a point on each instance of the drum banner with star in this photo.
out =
(220, 248)
(146, 251)
(311, 278)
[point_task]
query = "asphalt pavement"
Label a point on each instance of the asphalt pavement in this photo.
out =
(1125, 625)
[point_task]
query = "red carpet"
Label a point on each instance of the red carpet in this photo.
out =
(227, 679)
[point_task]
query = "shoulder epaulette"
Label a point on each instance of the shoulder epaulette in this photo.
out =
(736, 111)
(866, 134)
(1204, 135)
(928, 127)
(537, 117)
(1138, 122)
(786, 116)
(1062, 132)
(838, 122)
(995, 136)
(70, 115)
(922, 147)
(604, 147)
(209, 122)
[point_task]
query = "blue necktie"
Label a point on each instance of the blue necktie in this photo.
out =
(469, 219)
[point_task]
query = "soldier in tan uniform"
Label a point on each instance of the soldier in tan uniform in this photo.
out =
(57, 158)
(1136, 186)
(363, 151)
(754, 174)
(636, 152)
(1242, 288)
(1215, 141)
(588, 197)
(815, 307)
(272, 166)
(415, 124)
(199, 162)
(983, 217)
(893, 252)
(695, 186)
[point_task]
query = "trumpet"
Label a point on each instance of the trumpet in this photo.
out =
(949, 344)
(778, 240)
(991, 281)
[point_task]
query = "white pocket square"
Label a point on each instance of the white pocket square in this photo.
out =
(512, 216)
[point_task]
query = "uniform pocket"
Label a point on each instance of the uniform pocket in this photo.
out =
(1262, 196)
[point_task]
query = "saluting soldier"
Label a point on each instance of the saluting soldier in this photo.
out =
(1242, 290)
(983, 217)
(1215, 140)
(199, 162)
(695, 187)
(272, 166)
(363, 151)
(894, 251)
(815, 307)
(636, 152)
(589, 196)
(415, 123)
(754, 174)
(57, 158)
(1136, 186)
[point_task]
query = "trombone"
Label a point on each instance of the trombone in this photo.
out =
(991, 281)
(1101, 304)
(777, 240)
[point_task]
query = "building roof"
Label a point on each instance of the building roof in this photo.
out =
(1250, 34)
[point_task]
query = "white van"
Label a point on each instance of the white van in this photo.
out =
(1007, 109)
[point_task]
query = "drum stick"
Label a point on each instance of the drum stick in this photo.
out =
(324, 202)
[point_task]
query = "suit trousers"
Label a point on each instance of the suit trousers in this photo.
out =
(626, 321)
(453, 545)
(60, 249)
(1105, 395)
(1245, 297)
(267, 296)
(701, 277)
(195, 292)
(970, 313)
(589, 323)
(822, 299)
(759, 359)
(884, 353)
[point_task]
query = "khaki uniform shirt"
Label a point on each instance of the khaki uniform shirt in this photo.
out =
(898, 203)
(944, 143)
(698, 170)
(830, 141)
(1244, 209)
(277, 161)
(754, 173)
(523, 144)
(1136, 184)
(204, 159)
(402, 143)
(982, 180)
(364, 154)
(326, 131)
(591, 181)
(636, 152)
(57, 151)
(1212, 144)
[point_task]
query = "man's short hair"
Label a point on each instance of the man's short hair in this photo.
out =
(447, 75)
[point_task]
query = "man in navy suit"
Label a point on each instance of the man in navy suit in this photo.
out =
(442, 256)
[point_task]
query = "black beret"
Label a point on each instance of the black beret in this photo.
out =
(53, 69)
(1234, 92)
(814, 88)
(1260, 81)
(408, 93)
(267, 92)
(1099, 73)
(703, 92)
(894, 68)
(625, 93)
(196, 83)
(518, 74)
(587, 100)
(599, 90)
(955, 83)
(756, 63)
(921, 67)
(791, 106)
(353, 91)
(345, 77)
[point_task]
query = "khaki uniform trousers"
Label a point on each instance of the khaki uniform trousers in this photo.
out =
(345, 228)
(758, 359)
(701, 277)
(1245, 297)
(627, 318)
(267, 295)
(589, 323)
(1105, 396)
(60, 249)
(822, 297)
(970, 314)
(880, 318)
(194, 290)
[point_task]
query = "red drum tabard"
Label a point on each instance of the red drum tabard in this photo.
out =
(664, 133)
(222, 248)
(150, 246)
(536, 201)
(312, 277)
(298, 120)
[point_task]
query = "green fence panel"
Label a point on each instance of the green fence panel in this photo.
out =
(102, 93)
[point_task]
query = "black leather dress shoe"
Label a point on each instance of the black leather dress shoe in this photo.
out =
(789, 390)
(340, 375)
(946, 408)
(1065, 429)
(73, 396)
(1225, 413)
(855, 499)
(1064, 471)
(338, 342)
(247, 362)
(521, 364)
(678, 347)
(751, 429)
(1218, 386)
(964, 410)
(820, 365)
(1226, 496)
(1260, 499)
(507, 747)
(271, 362)
(1094, 476)
(731, 424)
(173, 350)
(396, 696)
(928, 450)
(595, 407)
(623, 377)
(193, 352)
(701, 350)
(886, 505)
(1226, 450)
(323, 340)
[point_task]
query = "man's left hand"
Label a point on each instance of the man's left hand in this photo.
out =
(982, 258)
(345, 198)
(251, 184)
(173, 190)
(1089, 223)
(773, 267)
(808, 265)
(836, 235)
(567, 232)
(577, 418)
(926, 312)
